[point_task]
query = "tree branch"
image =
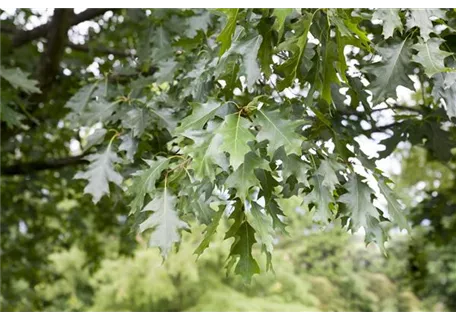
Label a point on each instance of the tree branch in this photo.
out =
(29, 167)
(24, 37)
(7, 29)
(383, 128)
(78, 47)
(86, 48)
(56, 40)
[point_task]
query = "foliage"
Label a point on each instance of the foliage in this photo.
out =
(206, 117)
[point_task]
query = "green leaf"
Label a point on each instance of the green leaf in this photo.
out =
(321, 197)
(447, 91)
(248, 50)
(201, 82)
(196, 23)
(97, 111)
(226, 34)
(95, 138)
(244, 177)
(348, 27)
(279, 22)
(395, 209)
(10, 116)
(391, 72)
(341, 62)
(262, 224)
(274, 210)
(438, 141)
(164, 221)
(327, 170)
(266, 50)
(19, 80)
(431, 57)
(358, 201)
(205, 153)
(161, 45)
(375, 232)
(391, 20)
(144, 182)
(278, 131)
(137, 120)
(241, 249)
(292, 165)
(166, 69)
(129, 145)
(235, 134)
(421, 18)
(165, 116)
(200, 206)
(296, 45)
(328, 72)
(209, 232)
(250, 67)
(81, 99)
(99, 173)
(202, 113)
(361, 211)
(268, 184)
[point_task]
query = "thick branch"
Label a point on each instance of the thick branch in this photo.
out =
(103, 50)
(78, 47)
(24, 37)
(383, 128)
(7, 29)
(29, 167)
(56, 41)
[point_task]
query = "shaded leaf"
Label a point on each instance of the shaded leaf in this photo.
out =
(447, 91)
(10, 116)
(327, 170)
(209, 233)
(321, 197)
(129, 144)
(166, 69)
(359, 203)
(206, 153)
(241, 249)
(274, 210)
(262, 224)
(292, 165)
(296, 45)
(244, 177)
(395, 209)
(144, 182)
(278, 131)
(202, 113)
(19, 80)
(431, 57)
(137, 120)
(391, 72)
(81, 99)
(196, 23)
